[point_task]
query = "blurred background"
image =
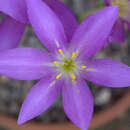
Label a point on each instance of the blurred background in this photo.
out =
(111, 104)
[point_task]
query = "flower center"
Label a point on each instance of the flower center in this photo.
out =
(68, 65)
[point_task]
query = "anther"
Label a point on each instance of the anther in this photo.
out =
(73, 76)
(73, 55)
(60, 51)
(58, 76)
(83, 67)
(56, 62)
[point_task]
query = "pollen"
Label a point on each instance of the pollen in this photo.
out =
(56, 62)
(67, 65)
(60, 51)
(73, 76)
(73, 55)
(83, 67)
(58, 76)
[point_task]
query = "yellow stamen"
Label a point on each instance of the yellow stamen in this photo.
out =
(60, 51)
(73, 76)
(73, 55)
(56, 62)
(58, 76)
(83, 67)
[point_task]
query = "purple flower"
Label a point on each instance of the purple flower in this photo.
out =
(66, 63)
(12, 27)
(118, 31)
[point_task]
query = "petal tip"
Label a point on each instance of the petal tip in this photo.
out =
(115, 8)
(113, 11)
(21, 120)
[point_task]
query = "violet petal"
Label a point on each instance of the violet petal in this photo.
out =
(40, 97)
(24, 63)
(108, 72)
(90, 36)
(78, 103)
(11, 33)
(46, 24)
(118, 32)
(65, 15)
(14, 8)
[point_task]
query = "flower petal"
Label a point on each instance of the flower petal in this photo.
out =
(108, 72)
(11, 33)
(46, 24)
(90, 36)
(15, 9)
(107, 2)
(118, 32)
(65, 15)
(78, 103)
(40, 97)
(24, 63)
